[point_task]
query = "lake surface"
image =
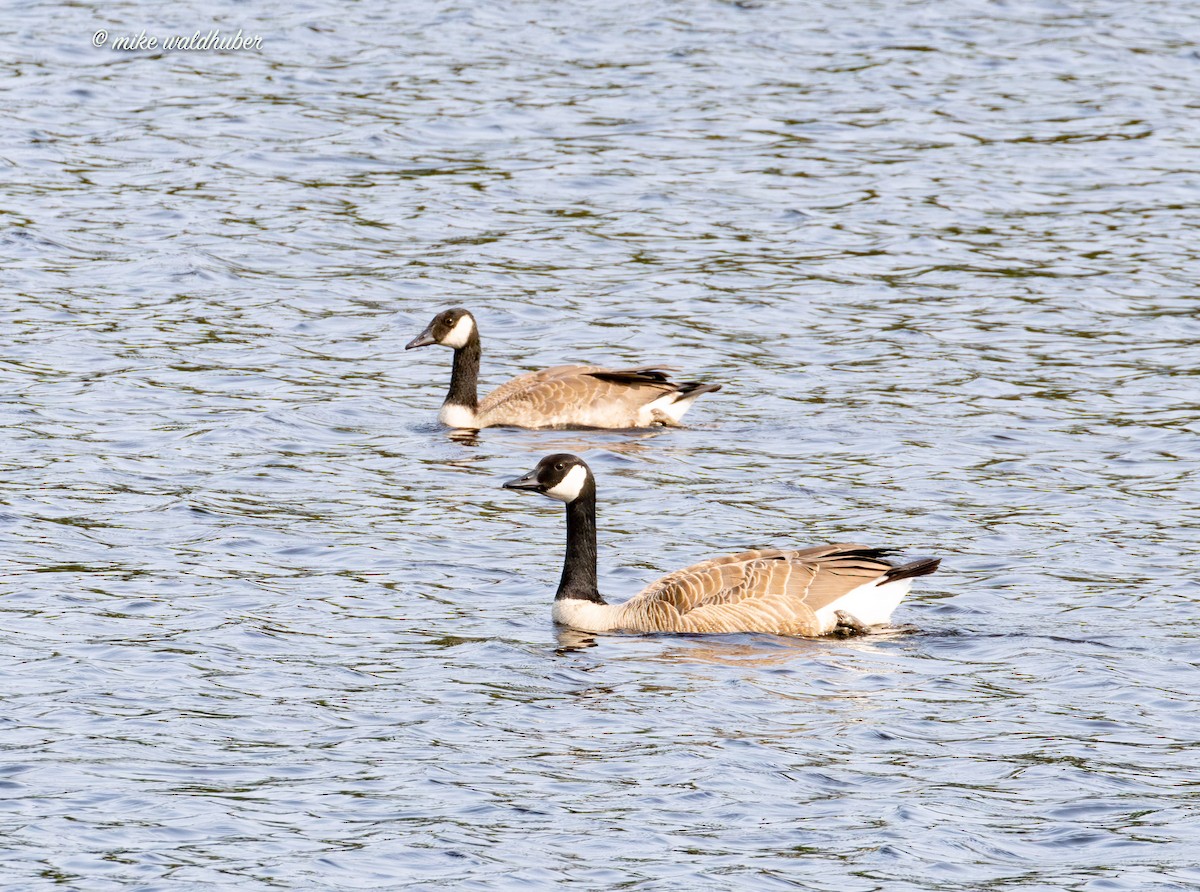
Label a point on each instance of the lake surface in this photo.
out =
(265, 624)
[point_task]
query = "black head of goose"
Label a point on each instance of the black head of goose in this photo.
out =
(806, 592)
(559, 397)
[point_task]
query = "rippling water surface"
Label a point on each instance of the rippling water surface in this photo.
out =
(263, 622)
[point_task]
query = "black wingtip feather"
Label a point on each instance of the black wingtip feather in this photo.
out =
(648, 375)
(695, 388)
(923, 567)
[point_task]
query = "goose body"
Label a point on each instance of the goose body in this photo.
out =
(563, 396)
(806, 592)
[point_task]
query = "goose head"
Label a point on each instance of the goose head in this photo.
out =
(560, 476)
(449, 328)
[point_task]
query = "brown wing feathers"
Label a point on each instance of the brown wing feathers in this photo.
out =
(564, 390)
(813, 577)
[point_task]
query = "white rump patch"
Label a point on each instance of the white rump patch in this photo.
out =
(670, 404)
(453, 415)
(568, 489)
(461, 333)
(871, 604)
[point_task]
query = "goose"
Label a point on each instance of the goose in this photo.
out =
(563, 396)
(807, 592)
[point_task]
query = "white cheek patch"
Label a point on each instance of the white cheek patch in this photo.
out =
(458, 336)
(568, 489)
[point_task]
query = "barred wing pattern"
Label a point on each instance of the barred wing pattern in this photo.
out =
(577, 395)
(770, 590)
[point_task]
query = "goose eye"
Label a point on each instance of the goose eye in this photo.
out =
(559, 466)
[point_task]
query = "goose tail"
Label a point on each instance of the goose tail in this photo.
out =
(922, 567)
(689, 390)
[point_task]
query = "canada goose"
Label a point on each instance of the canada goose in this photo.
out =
(807, 592)
(564, 396)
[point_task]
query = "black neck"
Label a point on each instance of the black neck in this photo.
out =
(464, 380)
(579, 565)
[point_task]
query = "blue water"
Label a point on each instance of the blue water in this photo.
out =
(264, 623)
